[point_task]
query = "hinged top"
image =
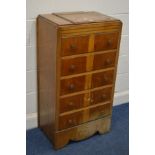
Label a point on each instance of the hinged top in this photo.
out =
(77, 18)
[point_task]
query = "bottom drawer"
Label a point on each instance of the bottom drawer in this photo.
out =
(76, 118)
(70, 120)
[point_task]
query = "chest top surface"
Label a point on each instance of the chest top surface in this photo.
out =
(73, 18)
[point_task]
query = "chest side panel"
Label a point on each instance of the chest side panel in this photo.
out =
(46, 74)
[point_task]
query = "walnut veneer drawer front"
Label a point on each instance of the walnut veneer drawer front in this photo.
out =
(78, 65)
(73, 66)
(85, 99)
(106, 41)
(99, 111)
(74, 45)
(70, 120)
(100, 96)
(104, 60)
(102, 78)
(71, 103)
(80, 83)
(77, 57)
(72, 85)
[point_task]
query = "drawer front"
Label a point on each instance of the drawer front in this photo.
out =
(104, 60)
(70, 120)
(71, 103)
(72, 85)
(77, 101)
(99, 111)
(106, 41)
(73, 66)
(100, 96)
(74, 45)
(102, 78)
(74, 119)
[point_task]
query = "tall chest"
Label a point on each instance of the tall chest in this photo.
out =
(77, 56)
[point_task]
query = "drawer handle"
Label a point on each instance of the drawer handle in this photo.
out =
(108, 61)
(71, 87)
(105, 78)
(104, 96)
(72, 68)
(71, 122)
(73, 47)
(109, 42)
(70, 103)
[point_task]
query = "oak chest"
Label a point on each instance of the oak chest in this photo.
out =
(77, 56)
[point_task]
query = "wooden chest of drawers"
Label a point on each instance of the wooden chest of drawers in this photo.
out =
(77, 64)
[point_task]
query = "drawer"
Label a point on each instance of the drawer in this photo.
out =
(106, 41)
(72, 85)
(71, 103)
(99, 96)
(74, 45)
(74, 119)
(77, 101)
(70, 120)
(73, 66)
(102, 78)
(104, 60)
(99, 111)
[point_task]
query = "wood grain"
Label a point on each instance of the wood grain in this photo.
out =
(102, 78)
(86, 91)
(72, 85)
(101, 95)
(74, 45)
(71, 103)
(73, 66)
(105, 41)
(104, 60)
(46, 71)
(71, 119)
(81, 132)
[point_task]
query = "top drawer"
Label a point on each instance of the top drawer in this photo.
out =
(106, 41)
(74, 45)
